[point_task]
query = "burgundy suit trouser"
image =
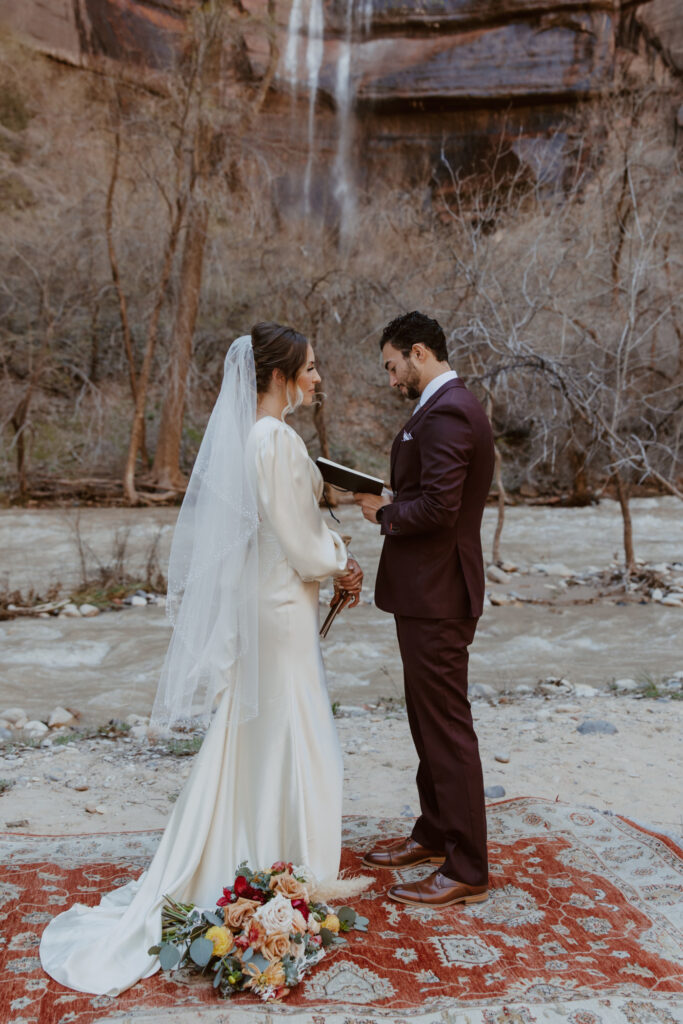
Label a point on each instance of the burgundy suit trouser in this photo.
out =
(449, 777)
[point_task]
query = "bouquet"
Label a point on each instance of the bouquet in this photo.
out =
(263, 937)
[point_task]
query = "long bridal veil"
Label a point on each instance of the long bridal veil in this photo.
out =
(213, 603)
(213, 568)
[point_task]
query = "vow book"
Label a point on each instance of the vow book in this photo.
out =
(348, 479)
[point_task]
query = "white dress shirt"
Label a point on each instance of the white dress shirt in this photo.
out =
(434, 386)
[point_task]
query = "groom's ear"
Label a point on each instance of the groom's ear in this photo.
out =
(419, 352)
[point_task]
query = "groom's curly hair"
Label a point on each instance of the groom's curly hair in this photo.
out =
(277, 348)
(413, 329)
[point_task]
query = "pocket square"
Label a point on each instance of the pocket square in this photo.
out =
(407, 436)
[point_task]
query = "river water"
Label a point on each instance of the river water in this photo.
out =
(108, 666)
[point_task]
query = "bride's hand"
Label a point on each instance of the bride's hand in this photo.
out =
(351, 583)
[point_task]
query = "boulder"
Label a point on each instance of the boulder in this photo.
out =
(88, 611)
(35, 728)
(13, 715)
(626, 685)
(662, 23)
(58, 717)
(496, 575)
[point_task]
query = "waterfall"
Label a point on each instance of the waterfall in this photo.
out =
(358, 21)
(314, 59)
(292, 48)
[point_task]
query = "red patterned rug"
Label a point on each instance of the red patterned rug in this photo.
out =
(583, 925)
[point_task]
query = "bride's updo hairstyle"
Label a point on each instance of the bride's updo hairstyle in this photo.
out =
(277, 348)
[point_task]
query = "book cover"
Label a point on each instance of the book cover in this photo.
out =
(348, 479)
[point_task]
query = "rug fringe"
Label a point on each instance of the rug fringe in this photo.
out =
(343, 888)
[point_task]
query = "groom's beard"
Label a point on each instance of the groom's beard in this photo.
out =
(409, 386)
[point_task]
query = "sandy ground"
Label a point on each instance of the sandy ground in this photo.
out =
(107, 666)
(634, 771)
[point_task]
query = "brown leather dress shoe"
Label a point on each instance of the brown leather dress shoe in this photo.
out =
(403, 854)
(436, 890)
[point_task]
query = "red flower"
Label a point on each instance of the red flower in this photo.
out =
(278, 867)
(242, 941)
(227, 897)
(242, 888)
(301, 905)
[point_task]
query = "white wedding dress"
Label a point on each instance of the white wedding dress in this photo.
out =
(260, 790)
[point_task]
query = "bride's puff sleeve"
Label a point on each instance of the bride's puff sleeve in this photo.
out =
(287, 498)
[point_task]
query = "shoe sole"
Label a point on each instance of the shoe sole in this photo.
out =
(478, 898)
(397, 867)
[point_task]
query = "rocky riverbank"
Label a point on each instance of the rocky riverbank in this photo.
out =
(618, 751)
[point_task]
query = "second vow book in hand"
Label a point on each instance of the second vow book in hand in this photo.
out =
(348, 479)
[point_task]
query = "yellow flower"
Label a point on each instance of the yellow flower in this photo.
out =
(221, 938)
(331, 922)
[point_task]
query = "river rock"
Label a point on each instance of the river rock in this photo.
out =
(59, 716)
(70, 611)
(482, 690)
(502, 756)
(5, 733)
(139, 732)
(596, 725)
(554, 686)
(585, 690)
(496, 575)
(500, 599)
(88, 611)
(134, 719)
(626, 685)
(657, 594)
(674, 600)
(13, 715)
(136, 601)
(553, 569)
(494, 792)
(95, 809)
(35, 728)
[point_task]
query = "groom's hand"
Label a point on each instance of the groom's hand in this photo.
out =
(370, 504)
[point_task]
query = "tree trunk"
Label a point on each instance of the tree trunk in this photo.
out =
(138, 427)
(498, 477)
(19, 416)
(321, 430)
(166, 469)
(623, 496)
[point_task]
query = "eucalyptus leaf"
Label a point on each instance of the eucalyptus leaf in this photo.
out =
(201, 951)
(214, 918)
(260, 962)
(154, 950)
(297, 938)
(219, 976)
(347, 916)
(247, 955)
(169, 957)
(327, 936)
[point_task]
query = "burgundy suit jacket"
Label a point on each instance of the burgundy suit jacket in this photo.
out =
(441, 468)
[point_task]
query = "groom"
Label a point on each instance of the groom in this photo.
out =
(431, 577)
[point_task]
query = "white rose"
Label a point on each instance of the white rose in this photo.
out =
(277, 915)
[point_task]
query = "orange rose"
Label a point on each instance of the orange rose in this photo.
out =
(275, 946)
(290, 887)
(237, 914)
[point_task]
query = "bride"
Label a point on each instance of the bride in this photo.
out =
(249, 550)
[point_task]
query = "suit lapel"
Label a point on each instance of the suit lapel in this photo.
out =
(419, 413)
